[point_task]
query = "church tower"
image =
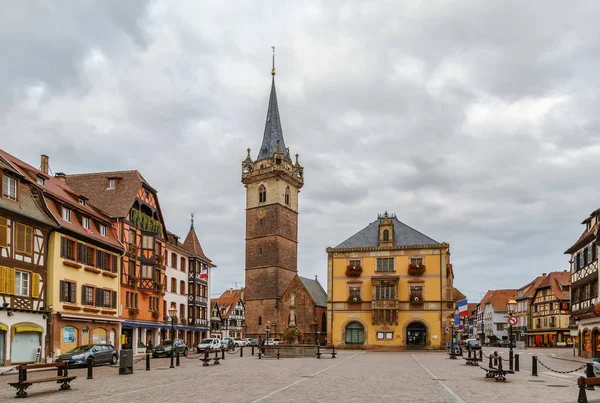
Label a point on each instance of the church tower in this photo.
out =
(272, 182)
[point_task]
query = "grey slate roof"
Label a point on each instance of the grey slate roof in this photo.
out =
(273, 131)
(316, 291)
(404, 235)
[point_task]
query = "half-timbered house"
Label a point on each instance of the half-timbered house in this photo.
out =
(231, 307)
(584, 286)
(83, 265)
(24, 229)
(132, 204)
(550, 312)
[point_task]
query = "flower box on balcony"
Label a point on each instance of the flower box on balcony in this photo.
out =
(416, 269)
(133, 311)
(353, 271)
(353, 299)
(414, 300)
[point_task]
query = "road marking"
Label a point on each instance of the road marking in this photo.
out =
(557, 378)
(260, 399)
(453, 395)
(140, 390)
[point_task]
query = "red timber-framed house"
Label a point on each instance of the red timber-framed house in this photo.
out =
(584, 287)
(24, 229)
(132, 204)
(83, 265)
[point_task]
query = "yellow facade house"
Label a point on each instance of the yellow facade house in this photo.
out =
(389, 286)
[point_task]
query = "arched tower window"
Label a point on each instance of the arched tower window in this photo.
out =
(262, 194)
(260, 320)
(287, 196)
(386, 235)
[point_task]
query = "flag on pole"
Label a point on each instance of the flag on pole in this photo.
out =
(204, 272)
(463, 307)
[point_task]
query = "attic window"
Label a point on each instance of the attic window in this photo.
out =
(40, 181)
(82, 202)
(111, 184)
(386, 235)
(565, 288)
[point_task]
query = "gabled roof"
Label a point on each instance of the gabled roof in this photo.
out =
(192, 245)
(273, 132)
(403, 235)
(29, 204)
(529, 289)
(316, 291)
(457, 295)
(498, 299)
(486, 298)
(228, 301)
(114, 202)
(555, 281)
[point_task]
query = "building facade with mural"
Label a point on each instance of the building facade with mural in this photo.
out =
(389, 286)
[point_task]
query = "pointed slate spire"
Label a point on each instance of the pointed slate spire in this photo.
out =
(273, 132)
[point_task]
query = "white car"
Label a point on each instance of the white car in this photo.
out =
(210, 344)
(240, 342)
(273, 342)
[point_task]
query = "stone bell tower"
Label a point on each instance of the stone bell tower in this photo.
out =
(272, 182)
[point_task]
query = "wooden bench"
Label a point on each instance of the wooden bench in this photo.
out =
(206, 359)
(263, 350)
(62, 377)
(497, 372)
(582, 382)
(321, 352)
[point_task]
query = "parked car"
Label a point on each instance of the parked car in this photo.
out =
(503, 343)
(272, 342)
(472, 344)
(231, 342)
(252, 342)
(241, 342)
(210, 344)
(99, 353)
(166, 349)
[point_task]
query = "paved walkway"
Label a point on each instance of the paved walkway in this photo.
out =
(354, 376)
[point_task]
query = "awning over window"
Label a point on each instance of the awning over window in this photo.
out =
(3, 327)
(28, 327)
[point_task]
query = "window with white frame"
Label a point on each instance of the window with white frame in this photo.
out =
(111, 183)
(40, 181)
(66, 214)
(85, 221)
(22, 283)
(385, 335)
(82, 202)
(102, 230)
(10, 187)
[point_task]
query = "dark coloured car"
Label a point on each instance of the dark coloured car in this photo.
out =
(165, 348)
(253, 343)
(98, 353)
(503, 343)
(472, 344)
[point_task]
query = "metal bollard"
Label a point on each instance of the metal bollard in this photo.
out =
(495, 358)
(252, 350)
(481, 354)
(60, 372)
(516, 362)
(589, 373)
(242, 351)
(90, 365)
(222, 354)
(490, 364)
(147, 362)
(534, 366)
(510, 360)
(177, 360)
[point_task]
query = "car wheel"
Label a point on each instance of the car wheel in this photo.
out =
(114, 359)
(185, 352)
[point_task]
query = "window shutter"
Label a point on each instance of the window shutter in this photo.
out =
(20, 238)
(73, 291)
(99, 258)
(28, 240)
(113, 300)
(3, 232)
(80, 247)
(99, 296)
(63, 247)
(10, 280)
(35, 285)
(594, 252)
(3, 274)
(63, 292)
(114, 263)
(84, 295)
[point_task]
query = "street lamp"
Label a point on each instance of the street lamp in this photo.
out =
(511, 307)
(267, 332)
(452, 351)
(172, 315)
(318, 337)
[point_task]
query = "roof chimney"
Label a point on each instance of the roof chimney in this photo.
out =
(44, 164)
(60, 176)
(543, 274)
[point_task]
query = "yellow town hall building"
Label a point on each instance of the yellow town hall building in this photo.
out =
(389, 286)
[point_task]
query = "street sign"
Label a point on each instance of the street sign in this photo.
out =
(513, 320)
(522, 332)
(461, 328)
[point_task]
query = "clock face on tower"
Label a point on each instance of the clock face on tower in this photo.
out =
(261, 213)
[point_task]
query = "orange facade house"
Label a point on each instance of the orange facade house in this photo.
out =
(133, 206)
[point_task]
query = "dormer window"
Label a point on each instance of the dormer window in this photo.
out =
(111, 183)
(262, 194)
(102, 230)
(386, 235)
(66, 214)
(10, 188)
(81, 202)
(85, 221)
(40, 181)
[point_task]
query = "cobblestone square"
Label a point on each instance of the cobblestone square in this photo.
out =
(354, 376)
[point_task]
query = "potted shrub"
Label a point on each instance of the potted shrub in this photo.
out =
(155, 314)
(416, 269)
(353, 270)
(415, 300)
(291, 335)
(159, 260)
(134, 311)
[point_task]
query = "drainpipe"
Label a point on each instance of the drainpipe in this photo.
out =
(441, 305)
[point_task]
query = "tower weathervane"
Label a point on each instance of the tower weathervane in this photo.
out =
(192, 226)
(273, 70)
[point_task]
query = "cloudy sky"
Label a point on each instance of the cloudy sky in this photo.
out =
(476, 122)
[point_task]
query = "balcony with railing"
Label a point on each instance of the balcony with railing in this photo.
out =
(196, 278)
(583, 307)
(197, 300)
